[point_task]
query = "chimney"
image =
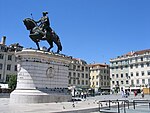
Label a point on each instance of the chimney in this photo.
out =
(3, 40)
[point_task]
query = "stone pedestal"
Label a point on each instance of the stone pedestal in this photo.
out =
(42, 77)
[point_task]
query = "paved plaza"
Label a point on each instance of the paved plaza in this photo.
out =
(89, 105)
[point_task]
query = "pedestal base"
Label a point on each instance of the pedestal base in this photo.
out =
(36, 96)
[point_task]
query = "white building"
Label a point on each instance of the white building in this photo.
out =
(8, 64)
(100, 77)
(130, 71)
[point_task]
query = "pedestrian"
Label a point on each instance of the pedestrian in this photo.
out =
(85, 95)
(135, 93)
(82, 95)
(142, 94)
(122, 93)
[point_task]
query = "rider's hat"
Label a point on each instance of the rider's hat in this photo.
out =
(45, 12)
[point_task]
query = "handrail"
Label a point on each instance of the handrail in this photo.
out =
(123, 104)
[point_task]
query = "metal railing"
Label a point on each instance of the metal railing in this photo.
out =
(119, 104)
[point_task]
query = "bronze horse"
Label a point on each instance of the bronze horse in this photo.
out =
(36, 34)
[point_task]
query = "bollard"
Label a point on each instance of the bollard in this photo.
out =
(109, 104)
(124, 107)
(118, 108)
(133, 104)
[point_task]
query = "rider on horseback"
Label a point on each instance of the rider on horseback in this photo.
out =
(45, 24)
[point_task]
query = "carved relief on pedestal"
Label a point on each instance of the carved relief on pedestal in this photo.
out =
(50, 72)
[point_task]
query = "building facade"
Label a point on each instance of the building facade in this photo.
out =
(8, 64)
(100, 77)
(130, 71)
(78, 75)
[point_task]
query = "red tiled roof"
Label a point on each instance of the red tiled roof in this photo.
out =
(136, 52)
(142, 52)
(101, 65)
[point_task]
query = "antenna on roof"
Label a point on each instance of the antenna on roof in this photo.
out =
(31, 16)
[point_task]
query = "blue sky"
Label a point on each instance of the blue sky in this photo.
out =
(93, 30)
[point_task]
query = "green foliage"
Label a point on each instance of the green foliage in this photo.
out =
(12, 82)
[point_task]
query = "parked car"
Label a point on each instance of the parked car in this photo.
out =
(105, 93)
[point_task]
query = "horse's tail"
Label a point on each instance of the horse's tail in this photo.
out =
(57, 42)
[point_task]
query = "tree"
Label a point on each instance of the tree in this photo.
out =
(12, 82)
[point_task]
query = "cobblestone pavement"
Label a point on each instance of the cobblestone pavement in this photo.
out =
(89, 103)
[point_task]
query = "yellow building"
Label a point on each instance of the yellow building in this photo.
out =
(100, 77)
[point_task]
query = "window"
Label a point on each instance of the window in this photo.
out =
(0, 76)
(113, 82)
(148, 72)
(113, 75)
(69, 73)
(126, 75)
(136, 65)
(131, 74)
(142, 65)
(121, 67)
(136, 59)
(87, 82)
(117, 82)
(93, 78)
(7, 78)
(74, 67)
(102, 77)
(1, 56)
(137, 74)
(121, 82)
(121, 75)
(74, 81)
(96, 83)
(132, 82)
(141, 58)
(9, 57)
(78, 75)
(69, 81)
(78, 82)
(149, 81)
(82, 68)
(86, 68)
(137, 81)
(82, 75)
(87, 76)
(116, 75)
(9, 67)
(104, 71)
(147, 64)
(82, 82)
(142, 73)
(96, 76)
(131, 66)
(108, 83)
(127, 82)
(15, 69)
(107, 77)
(74, 75)
(1, 66)
(143, 81)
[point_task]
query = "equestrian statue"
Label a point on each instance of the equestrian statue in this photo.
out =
(42, 31)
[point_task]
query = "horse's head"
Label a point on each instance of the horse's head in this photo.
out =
(29, 23)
